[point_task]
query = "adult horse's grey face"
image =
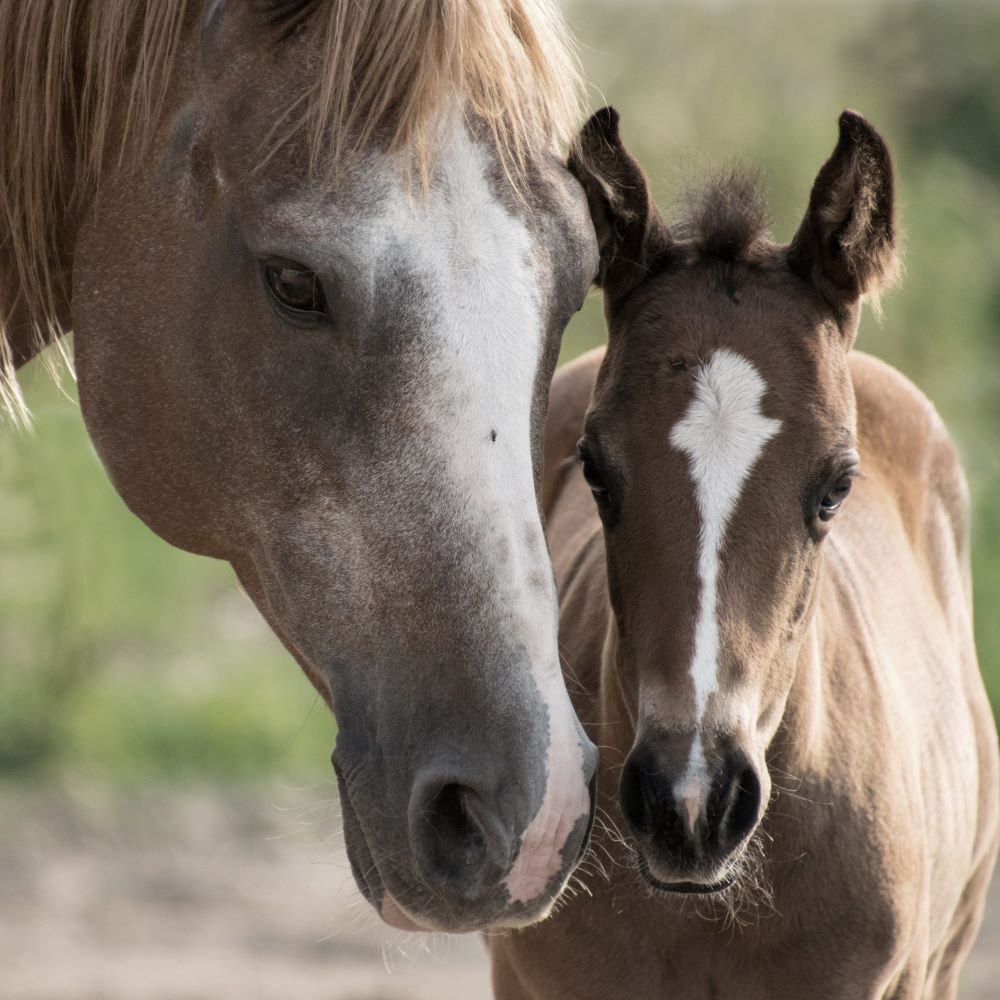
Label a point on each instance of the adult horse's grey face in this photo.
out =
(339, 388)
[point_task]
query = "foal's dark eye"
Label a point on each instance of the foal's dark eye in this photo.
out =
(834, 497)
(295, 289)
(592, 474)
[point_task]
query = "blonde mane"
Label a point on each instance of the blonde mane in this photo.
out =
(81, 82)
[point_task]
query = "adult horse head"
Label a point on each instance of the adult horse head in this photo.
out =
(318, 257)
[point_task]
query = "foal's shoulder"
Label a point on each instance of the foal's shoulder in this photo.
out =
(569, 398)
(887, 397)
(904, 440)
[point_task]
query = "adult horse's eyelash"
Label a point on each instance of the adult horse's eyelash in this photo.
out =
(285, 8)
(287, 15)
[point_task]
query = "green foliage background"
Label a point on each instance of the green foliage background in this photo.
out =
(123, 659)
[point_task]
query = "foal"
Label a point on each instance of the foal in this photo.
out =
(782, 676)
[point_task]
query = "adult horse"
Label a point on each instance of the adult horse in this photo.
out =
(740, 620)
(317, 256)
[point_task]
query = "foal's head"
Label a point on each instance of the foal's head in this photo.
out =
(720, 447)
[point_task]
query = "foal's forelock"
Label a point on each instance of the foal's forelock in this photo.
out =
(722, 435)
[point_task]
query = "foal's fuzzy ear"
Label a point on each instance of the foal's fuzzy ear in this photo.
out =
(846, 245)
(630, 232)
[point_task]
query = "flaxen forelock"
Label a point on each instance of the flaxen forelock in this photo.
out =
(100, 73)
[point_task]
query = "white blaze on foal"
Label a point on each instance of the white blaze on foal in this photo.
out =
(722, 434)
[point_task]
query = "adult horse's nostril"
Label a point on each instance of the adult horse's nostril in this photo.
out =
(459, 843)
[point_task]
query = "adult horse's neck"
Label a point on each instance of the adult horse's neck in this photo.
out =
(20, 337)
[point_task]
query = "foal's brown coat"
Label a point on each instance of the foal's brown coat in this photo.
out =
(881, 836)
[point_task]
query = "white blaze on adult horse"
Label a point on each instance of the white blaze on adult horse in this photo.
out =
(768, 611)
(317, 256)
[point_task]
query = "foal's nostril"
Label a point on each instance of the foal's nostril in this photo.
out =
(637, 798)
(458, 842)
(738, 806)
(690, 831)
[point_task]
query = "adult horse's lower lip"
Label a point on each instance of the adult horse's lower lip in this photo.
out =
(394, 915)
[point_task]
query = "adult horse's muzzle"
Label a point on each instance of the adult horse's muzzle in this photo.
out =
(464, 773)
(467, 852)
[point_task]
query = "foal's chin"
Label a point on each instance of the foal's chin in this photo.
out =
(703, 882)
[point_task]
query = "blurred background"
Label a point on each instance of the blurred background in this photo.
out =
(167, 816)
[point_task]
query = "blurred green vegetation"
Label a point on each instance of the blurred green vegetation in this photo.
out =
(122, 658)
(126, 660)
(700, 85)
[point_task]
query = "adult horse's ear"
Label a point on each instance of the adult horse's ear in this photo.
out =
(846, 245)
(630, 232)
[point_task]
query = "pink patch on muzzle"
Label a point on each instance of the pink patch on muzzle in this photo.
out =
(566, 802)
(392, 913)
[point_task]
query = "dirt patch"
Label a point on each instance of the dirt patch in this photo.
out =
(198, 895)
(185, 896)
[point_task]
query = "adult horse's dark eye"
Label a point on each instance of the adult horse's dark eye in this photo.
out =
(295, 288)
(834, 497)
(592, 474)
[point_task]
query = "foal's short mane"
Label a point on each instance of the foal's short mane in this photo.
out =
(84, 79)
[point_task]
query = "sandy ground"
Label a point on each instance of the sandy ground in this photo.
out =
(164, 896)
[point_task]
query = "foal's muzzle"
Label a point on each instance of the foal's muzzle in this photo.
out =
(688, 828)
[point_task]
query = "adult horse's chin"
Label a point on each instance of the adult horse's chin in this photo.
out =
(366, 874)
(396, 917)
